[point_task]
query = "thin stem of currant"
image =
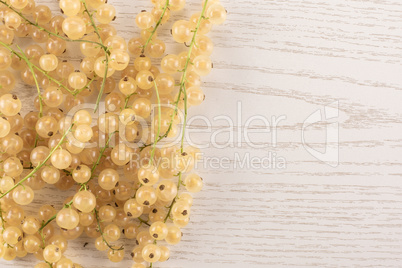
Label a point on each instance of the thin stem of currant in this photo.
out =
(183, 90)
(57, 82)
(182, 85)
(184, 121)
(105, 49)
(67, 205)
(158, 23)
(45, 30)
(127, 99)
(82, 89)
(92, 21)
(44, 224)
(103, 236)
(160, 137)
(143, 221)
(2, 220)
(174, 200)
(176, 108)
(38, 167)
(68, 173)
(23, 57)
(29, 64)
(43, 239)
(103, 82)
(183, 78)
(101, 154)
(36, 84)
(159, 124)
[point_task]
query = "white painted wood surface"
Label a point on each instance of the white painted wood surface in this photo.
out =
(292, 58)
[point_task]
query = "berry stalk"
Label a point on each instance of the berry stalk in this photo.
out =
(41, 164)
(158, 23)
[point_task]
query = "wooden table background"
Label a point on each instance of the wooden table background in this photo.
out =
(293, 58)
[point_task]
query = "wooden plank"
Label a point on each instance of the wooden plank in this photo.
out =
(292, 58)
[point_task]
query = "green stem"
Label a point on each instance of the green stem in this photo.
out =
(182, 84)
(103, 236)
(68, 173)
(2, 220)
(57, 82)
(156, 26)
(127, 99)
(67, 205)
(105, 49)
(38, 167)
(85, 184)
(36, 84)
(82, 89)
(174, 200)
(183, 90)
(46, 223)
(102, 151)
(159, 124)
(23, 57)
(100, 43)
(92, 20)
(183, 79)
(103, 82)
(29, 64)
(45, 30)
(143, 221)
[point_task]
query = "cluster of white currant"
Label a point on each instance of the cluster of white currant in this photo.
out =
(115, 195)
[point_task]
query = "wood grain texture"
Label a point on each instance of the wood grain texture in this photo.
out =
(292, 58)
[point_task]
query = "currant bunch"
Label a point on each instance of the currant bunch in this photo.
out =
(103, 129)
